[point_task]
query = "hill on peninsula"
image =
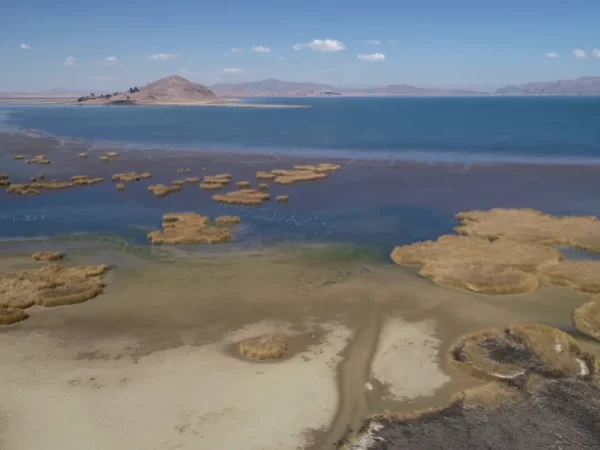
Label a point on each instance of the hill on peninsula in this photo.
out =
(171, 90)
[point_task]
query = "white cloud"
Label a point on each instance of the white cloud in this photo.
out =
(237, 50)
(162, 56)
(25, 46)
(551, 55)
(260, 49)
(596, 52)
(69, 61)
(377, 57)
(373, 42)
(322, 45)
(111, 60)
(579, 53)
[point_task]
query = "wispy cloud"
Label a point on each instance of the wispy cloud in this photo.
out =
(233, 71)
(552, 55)
(25, 46)
(260, 49)
(376, 57)
(237, 50)
(373, 42)
(69, 61)
(579, 53)
(596, 52)
(162, 56)
(393, 42)
(111, 60)
(322, 45)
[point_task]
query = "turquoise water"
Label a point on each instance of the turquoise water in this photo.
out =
(491, 129)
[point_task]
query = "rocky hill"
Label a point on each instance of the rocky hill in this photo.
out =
(579, 86)
(173, 90)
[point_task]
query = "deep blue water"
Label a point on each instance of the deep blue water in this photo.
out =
(542, 129)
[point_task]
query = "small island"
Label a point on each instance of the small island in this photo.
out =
(172, 90)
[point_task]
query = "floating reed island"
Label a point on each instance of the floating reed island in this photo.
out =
(39, 159)
(191, 228)
(49, 286)
(248, 197)
(298, 173)
(499, 253)
(4, 181)
(128, 177)
(162, 190)
(227, 220)
(262, 348)
(216, 182)
(36, 187)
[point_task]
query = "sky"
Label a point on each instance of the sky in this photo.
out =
(111, 45)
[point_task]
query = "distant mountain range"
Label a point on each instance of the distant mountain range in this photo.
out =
(580, 86)
(278, 88)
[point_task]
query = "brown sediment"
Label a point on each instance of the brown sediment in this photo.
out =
(50, 286)
(529, 225)
(19, 157)
(582, 275)
(22, 189)
(192, 180)
(267, 347)
(83, 155)
(518, 350)
(227, 220)
(243, 197)
(263, 186)
(178, 182)
(188, 228)
(162, 190)
(265, 176)
(477, 264)
(9, 316)
(243, 184)
(120, 187)
(48, 256)
(283, 198)
(586, 318)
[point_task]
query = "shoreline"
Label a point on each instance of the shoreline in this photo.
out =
(420, 158)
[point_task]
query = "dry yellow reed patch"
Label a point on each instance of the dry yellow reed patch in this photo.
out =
(120, 187)
(227, 220)
(104, 158)
(212, 186)
(529, 225)
(112, 154)
(480, 265)
(52, 185)
(145, 175)
(178, 182)
(518, 350)
(223, 178)
(125, 177)
(292, 176)
(9, 316)
(322, 167)
(269, 346)
(249, 197)
(192, 180)
(83, 155)
(39, 159)
(19, 157)
(184, 170)
(188, 228)
(263, 186)
(51, 285)
(47, 256)
(84, 180)
(283, 198)
(162, 190)
(587, 318)
(243, 184)
(22, 189)
(582, 275)
(265, 176)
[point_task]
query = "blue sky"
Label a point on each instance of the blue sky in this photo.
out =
(468, 43)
